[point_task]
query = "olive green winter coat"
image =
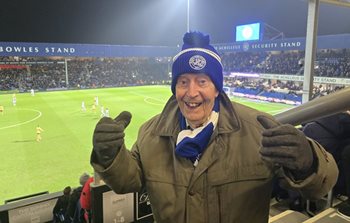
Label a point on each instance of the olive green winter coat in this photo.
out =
(230, 183)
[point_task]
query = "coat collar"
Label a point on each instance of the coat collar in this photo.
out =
(168, 121)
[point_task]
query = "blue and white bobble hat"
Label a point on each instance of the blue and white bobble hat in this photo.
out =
(197, 56)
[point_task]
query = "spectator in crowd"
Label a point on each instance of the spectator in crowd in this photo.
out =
(60, 208)
(333, 133)
(74, 211)
(85, 200)
(205, 158)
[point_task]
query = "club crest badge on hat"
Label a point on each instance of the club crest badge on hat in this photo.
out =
(197, 62)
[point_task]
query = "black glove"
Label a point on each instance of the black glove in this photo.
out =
(286, 146)
(109, 137)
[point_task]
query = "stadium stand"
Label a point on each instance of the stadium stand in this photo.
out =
(25, 73)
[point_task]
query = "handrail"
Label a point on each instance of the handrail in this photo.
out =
(25, 197)
(317, 108)
(29, 201)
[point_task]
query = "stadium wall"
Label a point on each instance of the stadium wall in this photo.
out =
(95, 50)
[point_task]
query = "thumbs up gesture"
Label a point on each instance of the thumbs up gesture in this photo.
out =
(108, 137)
(286, 146)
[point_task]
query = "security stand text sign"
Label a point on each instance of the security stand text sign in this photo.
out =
(117, 208)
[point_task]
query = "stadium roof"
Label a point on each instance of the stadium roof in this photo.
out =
(158, 22)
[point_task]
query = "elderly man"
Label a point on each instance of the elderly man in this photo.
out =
(205, 158)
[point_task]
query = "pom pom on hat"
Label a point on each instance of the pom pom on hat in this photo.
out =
(197, 56)
(195, 39)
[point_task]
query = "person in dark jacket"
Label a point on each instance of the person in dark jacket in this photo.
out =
(61, 205)
(74, 213)
(333, 133)
(205, 158)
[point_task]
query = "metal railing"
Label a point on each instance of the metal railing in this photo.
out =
(317, 108)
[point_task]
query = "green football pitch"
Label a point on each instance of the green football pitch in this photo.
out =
(29, 167)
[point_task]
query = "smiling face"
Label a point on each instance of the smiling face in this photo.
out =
(195, 94)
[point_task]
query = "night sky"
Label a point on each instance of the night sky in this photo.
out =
(156, 22)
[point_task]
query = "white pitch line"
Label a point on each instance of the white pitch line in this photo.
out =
(22, 123)
(146, 99)
(278, 111)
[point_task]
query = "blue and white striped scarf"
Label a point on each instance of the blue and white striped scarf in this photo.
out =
(192, 143)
